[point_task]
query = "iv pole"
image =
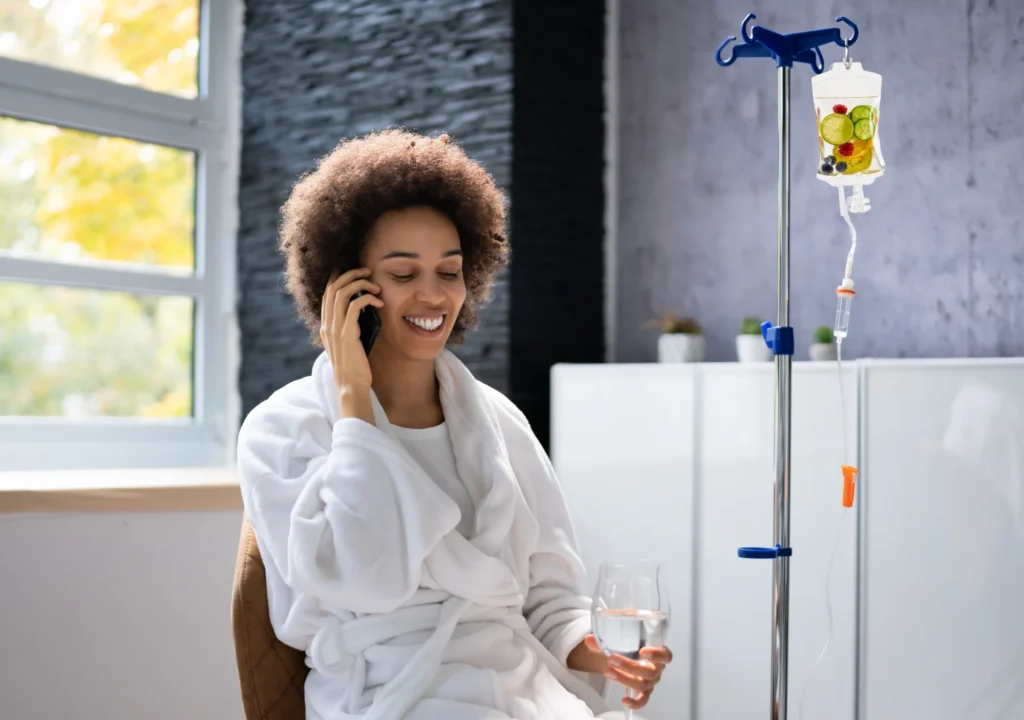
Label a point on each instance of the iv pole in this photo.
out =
(785, 49)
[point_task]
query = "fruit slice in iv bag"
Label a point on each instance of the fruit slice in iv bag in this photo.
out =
(857, 163)
(864, 129)
(836, 129)
(861, 112)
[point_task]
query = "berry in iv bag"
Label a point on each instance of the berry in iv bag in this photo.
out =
(846, 101)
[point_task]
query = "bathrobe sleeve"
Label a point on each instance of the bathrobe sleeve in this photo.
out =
(327, 506)
(557, 605)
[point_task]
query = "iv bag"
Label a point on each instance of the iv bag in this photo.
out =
(846, 101)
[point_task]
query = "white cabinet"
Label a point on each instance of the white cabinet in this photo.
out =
(623, 445)
(675, 462)
(736, 474)
(943, 586)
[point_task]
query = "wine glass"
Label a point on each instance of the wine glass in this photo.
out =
(630, 609)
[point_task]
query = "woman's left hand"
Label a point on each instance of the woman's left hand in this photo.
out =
(640, 676)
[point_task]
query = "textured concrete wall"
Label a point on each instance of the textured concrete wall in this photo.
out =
(315, 72)
(940, 259)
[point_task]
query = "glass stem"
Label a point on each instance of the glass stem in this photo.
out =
(628, 714)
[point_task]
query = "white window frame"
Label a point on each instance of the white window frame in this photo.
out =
(209, 125)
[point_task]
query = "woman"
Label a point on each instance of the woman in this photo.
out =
(416, 542)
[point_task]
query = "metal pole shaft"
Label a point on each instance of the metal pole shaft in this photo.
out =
(783, 405)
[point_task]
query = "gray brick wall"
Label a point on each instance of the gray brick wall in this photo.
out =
(315, 72)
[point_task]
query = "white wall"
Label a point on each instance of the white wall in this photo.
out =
(118, 616)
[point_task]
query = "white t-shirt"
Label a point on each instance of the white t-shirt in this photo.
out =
(432, 449)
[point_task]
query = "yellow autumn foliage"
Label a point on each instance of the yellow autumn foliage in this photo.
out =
(72, 196)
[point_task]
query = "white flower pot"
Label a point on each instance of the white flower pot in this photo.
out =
(823, 352)
(680, 348)
(752, 348)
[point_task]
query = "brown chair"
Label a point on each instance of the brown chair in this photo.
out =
(272, 675)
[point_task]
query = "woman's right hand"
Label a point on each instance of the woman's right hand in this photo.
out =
(339, 328)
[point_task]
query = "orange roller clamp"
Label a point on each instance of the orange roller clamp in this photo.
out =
(849, 483)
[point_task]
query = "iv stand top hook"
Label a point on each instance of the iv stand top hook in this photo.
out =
(749, 48)
(785, 49)
(847, 42)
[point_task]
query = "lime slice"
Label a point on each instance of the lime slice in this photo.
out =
(864, 129)
(857, 164)
(861, 112)
(836, 129)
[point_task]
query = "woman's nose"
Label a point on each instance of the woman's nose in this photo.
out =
(430, 291)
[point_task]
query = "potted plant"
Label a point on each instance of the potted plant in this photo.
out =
(823, 349)
(750, 344)
(681, 341)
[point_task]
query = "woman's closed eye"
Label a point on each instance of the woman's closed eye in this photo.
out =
(445, 275)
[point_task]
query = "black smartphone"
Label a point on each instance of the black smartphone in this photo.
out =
(369, 324)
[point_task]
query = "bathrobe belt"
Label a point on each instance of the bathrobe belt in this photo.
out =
(338, 648)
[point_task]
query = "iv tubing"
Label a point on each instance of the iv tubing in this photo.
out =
(840, 529)
(842, 400)
(844, 211)
(841, 526)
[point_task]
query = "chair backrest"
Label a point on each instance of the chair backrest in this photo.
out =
(272, 675)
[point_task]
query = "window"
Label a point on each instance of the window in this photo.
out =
(118, 167)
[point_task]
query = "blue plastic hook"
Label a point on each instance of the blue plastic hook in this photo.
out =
(813, 58)
(744, 31)
(856, 32)
(801, 47)
(740, 50)
(749, 48)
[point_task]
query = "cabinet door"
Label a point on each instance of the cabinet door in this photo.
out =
(734, 500)
(622, 445)
(944, 540)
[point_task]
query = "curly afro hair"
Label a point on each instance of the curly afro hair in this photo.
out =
(327, 217)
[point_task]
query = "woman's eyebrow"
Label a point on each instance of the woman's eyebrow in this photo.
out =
(415, 256)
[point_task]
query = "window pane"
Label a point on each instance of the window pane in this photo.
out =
(71, 195)
(151, 43)
(78, 353)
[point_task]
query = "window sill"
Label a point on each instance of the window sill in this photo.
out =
(148, 490)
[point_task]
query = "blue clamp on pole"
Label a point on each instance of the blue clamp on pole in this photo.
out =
(786, 49)
(779, 339)
(765, 553)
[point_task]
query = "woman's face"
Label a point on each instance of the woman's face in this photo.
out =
(416, 258)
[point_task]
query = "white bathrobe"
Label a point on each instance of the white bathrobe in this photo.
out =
(400, 616)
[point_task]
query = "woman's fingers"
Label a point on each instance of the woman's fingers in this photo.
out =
(638, 668)
(660, 655)
(355, 306)
(638, 684)
(336, 283)
(327, 304)
(343, 300)
(637, 701)
(640, 676)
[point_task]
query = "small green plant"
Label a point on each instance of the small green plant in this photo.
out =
(823, 335)
(671, 324)
(750, 326)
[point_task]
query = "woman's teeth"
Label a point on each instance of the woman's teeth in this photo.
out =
(428, 324)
